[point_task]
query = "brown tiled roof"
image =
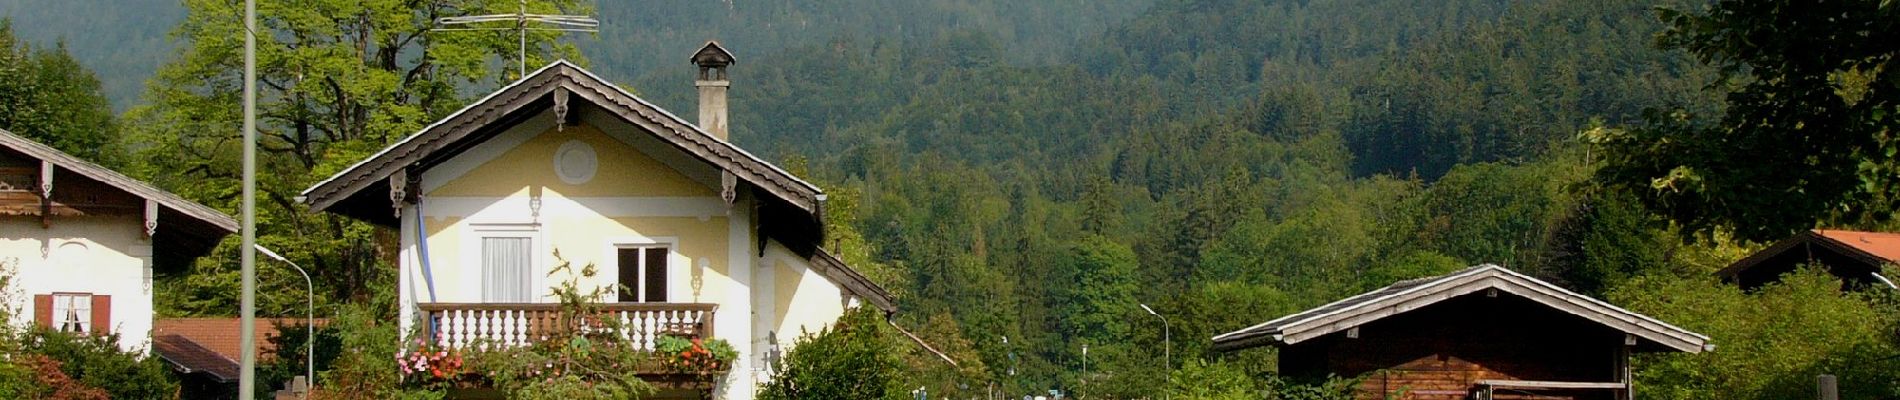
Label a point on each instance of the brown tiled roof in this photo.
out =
(1879, 244)
(220, 334)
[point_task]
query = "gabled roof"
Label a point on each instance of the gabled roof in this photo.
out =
(539, 91)
(1872, 248)
(1413, 294)
(713, 54)
(186, 229)
(117, 180)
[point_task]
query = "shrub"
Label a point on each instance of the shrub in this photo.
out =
(854, 359)
(97, 362)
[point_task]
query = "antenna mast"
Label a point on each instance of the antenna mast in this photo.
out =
(522, 21)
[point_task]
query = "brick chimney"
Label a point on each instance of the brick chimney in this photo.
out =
(712, 61)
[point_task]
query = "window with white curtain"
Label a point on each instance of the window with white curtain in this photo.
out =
(507, 268)
(72, 312)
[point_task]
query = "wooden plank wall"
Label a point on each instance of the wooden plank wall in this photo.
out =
(1440, 351)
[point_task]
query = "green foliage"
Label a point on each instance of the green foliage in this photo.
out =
(1202, 380)
(1805, 136)
(853, 359)
(337, 80)
(586, 360)
(47, 96)
(365, 368)
(1770, 344)
(291, 356)
(97, 362)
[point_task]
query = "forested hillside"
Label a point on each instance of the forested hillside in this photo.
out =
(121, 40)
(1026, 175)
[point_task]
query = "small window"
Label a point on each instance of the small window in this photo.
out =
(643, 274)
(72, 313)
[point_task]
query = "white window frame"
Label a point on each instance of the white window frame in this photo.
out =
(472, 256)
(65, 304)
(676, 266)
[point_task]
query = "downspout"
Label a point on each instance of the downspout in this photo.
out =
(422, 249)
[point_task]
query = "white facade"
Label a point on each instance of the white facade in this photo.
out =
(766, 297)
(82, 256)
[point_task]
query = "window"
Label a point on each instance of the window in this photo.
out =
(507, 269)
(72, 313)
(642, 274)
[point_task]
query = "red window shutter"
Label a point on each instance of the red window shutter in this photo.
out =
(43, 310)
(101, 314)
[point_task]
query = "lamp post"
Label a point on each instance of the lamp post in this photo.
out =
(309, 321)
(1085, 370)
(1167, 345)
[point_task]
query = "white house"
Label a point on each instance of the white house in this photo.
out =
(704, 236)
(83, 241)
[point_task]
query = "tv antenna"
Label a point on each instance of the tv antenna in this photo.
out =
(523, 22)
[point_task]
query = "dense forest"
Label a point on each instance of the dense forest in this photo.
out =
(1025, 176)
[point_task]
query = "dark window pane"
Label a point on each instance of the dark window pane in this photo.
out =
(656, 274)
(629, 275)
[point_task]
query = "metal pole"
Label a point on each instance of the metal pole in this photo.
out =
(1167, 355)
(247, 305)
(521, 28)
(309, 322)
(1167, 348)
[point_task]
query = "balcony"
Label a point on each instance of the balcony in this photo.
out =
(458, 325)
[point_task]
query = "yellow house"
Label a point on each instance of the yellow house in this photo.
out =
(699, 232)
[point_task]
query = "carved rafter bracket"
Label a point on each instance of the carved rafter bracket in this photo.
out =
(560, 109)
(728, 188)
(46, 194)
(151, 218)
(404, 188)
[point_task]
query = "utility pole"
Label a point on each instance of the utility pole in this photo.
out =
(522, 20)
(247, 323)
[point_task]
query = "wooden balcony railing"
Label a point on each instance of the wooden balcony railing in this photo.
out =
(457, 325)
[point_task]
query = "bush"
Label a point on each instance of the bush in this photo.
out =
(854, 359)
(97, 362)
(1771, 343)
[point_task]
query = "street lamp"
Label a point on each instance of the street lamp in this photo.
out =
(309, 322)
(1167, 344)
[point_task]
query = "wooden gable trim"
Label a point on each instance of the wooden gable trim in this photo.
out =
(853, 283)
(52, 161)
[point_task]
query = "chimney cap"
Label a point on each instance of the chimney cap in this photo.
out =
(712, 55)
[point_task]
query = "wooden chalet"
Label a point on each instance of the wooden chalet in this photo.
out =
(1855, 257)
(1485, 332)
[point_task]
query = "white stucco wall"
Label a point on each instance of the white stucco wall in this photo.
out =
(645, 192)
(97, 255)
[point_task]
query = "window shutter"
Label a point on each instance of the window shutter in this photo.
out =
(101, 314)
(43, 310)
